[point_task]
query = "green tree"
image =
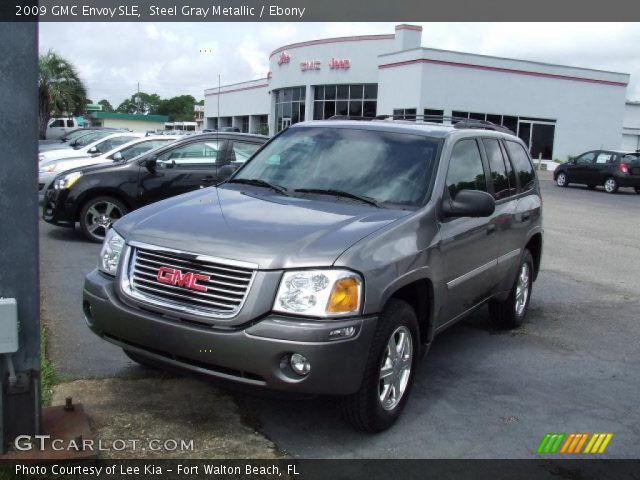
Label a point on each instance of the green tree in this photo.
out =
(141, 103)
(60, 89)
(106, 105)
(179, 109)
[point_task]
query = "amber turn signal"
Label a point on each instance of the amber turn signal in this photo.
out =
(345, 296)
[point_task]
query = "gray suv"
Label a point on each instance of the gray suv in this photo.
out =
(329, 261)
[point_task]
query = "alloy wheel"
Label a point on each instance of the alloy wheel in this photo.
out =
(522, 289)
(100, 216)
(561, 180)
(610, 185)
(395, 369)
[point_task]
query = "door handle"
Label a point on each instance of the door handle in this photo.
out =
(491, 228)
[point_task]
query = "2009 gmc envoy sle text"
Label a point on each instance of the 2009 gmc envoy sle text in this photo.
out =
(329, 261)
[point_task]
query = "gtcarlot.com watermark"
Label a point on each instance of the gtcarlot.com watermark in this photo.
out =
(44, 442)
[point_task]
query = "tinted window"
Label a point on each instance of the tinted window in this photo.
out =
(465, 169)
(586, 159)
(389, 167)
(89, 138)
(522, 165)
(197, 154)
(69, 123)
(57, 123)
(497, 168)
(242, 151)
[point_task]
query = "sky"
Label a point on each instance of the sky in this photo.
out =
(186, 58)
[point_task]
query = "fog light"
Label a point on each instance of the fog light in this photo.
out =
(300, 364)
(345, 332)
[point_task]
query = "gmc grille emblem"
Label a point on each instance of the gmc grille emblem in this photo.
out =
(172, 276)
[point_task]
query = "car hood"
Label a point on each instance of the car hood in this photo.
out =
(59, 153)
(257, 226)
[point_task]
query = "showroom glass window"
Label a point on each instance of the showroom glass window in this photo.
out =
(290, 106)
(358, 100)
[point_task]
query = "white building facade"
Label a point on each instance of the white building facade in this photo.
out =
(557, 110)
(631, 127)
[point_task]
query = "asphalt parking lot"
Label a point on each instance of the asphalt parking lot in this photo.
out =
(574, 367)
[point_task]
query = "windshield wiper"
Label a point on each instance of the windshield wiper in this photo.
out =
(259, 183)
(340, 193)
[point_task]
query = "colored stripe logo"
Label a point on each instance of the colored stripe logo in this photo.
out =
(572, 443)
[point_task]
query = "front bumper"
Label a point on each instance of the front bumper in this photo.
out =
(56, 209)
(250, 355)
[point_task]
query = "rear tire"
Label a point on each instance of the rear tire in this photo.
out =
(611, 185)
(562, 180)
(386, 383)
(98, 214)
(511, 313)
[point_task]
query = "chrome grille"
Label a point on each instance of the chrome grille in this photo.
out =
(219, 289)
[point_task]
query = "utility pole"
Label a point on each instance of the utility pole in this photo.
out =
(19, 272)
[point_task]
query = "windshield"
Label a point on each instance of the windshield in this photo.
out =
(89, 138)
(387, 167)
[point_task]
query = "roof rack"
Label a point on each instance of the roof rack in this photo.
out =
(457, 122)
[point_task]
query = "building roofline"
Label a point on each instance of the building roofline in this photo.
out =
(509, 59)
(215, 89)
(332, 40)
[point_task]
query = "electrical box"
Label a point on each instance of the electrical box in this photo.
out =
(8, 325)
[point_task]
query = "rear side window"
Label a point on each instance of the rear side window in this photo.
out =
(498, 168)
(465, 168)
(522, 165)
(69, 123)
(242, 151)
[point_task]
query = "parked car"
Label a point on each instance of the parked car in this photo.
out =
(610, 168)
(72, 135)
(329, 261)
(57, 127)
(120, 153)
(98, 195)
(91, 144)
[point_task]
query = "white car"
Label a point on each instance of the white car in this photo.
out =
(49, 170)
(88, 145)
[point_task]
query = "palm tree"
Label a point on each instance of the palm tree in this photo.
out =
(60, 89)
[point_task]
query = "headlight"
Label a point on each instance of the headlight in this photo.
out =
(110, 253)
(66, 181)
(319, 293)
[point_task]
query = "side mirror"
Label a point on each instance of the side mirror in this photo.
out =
(151, 163)
(117, 157)
(225, 172)
(469, 203)
(93, 150)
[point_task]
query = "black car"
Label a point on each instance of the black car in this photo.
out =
(98, 195)
(610, 168)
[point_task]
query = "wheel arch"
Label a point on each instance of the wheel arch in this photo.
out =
(91, 194)
(534, 245)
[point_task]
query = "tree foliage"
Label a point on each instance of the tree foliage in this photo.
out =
(178, 109)
(60, 89)
(106, 105)
(140, 103)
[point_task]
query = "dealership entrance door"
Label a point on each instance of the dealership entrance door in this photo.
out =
(539, 136)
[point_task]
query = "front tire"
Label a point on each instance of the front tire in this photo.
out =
(562, 180)
(389, 374)
(611, 185)
(98, 214)
(511, 313)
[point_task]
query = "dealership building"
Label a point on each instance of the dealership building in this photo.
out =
(557, 110)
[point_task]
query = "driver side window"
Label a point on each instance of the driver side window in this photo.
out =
(586, 159)
(466, 171)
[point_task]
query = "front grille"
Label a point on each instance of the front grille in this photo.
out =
(164, 278)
